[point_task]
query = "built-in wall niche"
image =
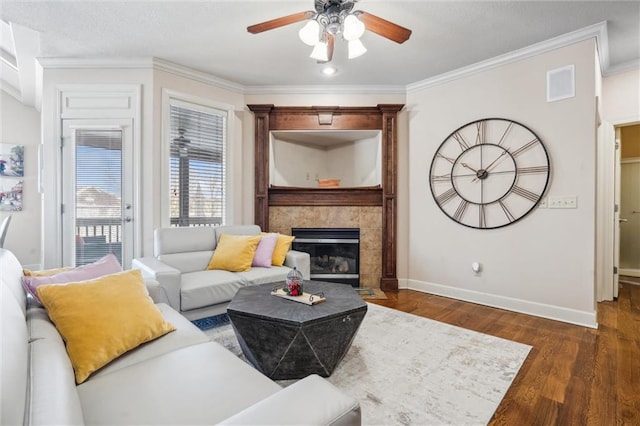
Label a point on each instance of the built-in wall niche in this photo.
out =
(302, 158)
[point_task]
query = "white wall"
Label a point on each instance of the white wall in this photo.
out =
(20, 125)
(621, 97)
(544, 263)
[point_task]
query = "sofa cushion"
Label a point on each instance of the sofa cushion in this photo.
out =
(188, 262)
(275, 274)
(184, 240)
(102, 318)
(185, 334)
(53, 398)
(200, 384)
(234, 252)
(237, 230)
(206, 288)
(104, 266)
(264, 252)
(14, 348)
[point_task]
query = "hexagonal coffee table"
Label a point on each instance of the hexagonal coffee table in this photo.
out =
(290, 340)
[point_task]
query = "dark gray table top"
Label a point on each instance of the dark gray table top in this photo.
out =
(257, 301)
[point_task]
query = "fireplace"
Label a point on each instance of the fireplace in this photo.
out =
(334, 252)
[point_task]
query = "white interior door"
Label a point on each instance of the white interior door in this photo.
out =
(97, 190)
(616, 218)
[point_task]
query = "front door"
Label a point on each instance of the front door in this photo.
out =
(97, 190)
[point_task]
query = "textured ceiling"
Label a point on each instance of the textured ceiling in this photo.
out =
(211, 36)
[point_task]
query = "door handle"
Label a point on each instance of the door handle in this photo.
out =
(635, 212)
(621, 220)
(129, 219)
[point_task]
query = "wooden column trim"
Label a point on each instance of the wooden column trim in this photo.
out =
(381, 117)
(261, 152)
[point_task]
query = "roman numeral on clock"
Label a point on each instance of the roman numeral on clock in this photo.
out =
(480, 132)
(533, 170)
(441, 178)
(524, 147)
(446, 196)
(506, 211)
(525, 193)
(463, 143)
(462, 207)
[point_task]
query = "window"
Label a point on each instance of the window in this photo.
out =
(197, 164)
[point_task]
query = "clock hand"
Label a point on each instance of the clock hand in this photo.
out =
(469, 167)
(493, 163)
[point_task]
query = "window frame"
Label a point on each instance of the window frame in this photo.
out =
(192, 102)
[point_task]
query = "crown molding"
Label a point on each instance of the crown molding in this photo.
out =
(203, 77)
(597, 31)
(620, 68)
(140, 63)
(320, 89)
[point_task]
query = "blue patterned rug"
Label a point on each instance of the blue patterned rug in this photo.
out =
(211, 322)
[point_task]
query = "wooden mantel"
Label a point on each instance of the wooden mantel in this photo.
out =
(382, 117)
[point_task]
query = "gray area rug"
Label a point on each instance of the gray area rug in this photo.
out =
(409, 370)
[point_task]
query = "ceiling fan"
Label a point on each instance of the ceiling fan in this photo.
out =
(333, 17)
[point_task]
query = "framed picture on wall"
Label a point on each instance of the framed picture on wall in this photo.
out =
(11, 174)
(11, 160)
(10, 194)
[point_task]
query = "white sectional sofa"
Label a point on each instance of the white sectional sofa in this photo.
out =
(181, 378)
(179, 264)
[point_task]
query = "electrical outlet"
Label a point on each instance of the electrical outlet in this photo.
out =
(563, 202)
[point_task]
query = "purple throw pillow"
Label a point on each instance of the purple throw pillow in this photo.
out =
(104, 266)
(265, 249)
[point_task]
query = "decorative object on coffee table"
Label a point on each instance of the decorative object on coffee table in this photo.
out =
(287, 340)
(306, 298)
(294, 283)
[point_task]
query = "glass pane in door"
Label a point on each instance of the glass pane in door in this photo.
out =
(98, 195)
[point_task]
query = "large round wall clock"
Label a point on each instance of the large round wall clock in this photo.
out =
(489, 173)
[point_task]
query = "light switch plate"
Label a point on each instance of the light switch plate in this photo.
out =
(563, 202)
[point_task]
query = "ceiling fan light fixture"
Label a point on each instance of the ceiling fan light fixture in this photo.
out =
(320, 52)
(356, 48)
(310, 33)
(353, 28)
(329, 70)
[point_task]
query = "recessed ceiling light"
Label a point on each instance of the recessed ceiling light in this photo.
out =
(329, 70)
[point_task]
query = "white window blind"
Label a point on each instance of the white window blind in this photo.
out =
(98, 194)
(197, 165)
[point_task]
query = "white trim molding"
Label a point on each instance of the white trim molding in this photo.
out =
(597, 31)
(557, 313)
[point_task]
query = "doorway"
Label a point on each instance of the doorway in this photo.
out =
(97, 190)
(629, 266)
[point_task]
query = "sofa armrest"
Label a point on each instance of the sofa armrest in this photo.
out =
(312, 401)
(168, 278)
(156, 292)
(302, 262)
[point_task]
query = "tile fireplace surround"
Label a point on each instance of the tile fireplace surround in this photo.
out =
(367, 218)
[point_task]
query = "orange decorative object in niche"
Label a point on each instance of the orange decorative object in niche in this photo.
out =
(328, 183)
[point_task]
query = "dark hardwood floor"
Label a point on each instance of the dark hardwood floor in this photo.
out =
(573, 375)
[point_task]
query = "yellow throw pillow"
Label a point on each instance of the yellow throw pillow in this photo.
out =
(282, 248)
(45, 272)
(103, 318)
(234, 252)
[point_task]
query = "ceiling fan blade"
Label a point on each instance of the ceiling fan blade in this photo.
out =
(280, 22)
(384, 28)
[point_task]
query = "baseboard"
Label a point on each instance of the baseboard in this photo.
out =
(629, 272)
(557, 313)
